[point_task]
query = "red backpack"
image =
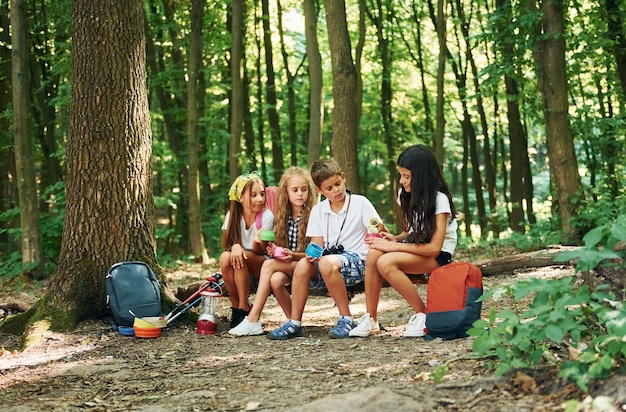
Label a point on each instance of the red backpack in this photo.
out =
(451, 300)
(271, 200)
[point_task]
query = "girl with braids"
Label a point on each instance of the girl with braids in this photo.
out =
(428, 239)
(243, 252)
(296, 197)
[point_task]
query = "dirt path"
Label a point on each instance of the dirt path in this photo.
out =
(99, 369)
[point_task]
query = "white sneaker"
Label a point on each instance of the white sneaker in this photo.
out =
(416, 326)
(247, 328)
(366, 325)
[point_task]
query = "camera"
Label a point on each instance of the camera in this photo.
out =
(333, 250)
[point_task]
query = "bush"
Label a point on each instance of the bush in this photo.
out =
(587, 324)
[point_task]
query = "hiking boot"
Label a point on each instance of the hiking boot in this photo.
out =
(341, 329)
(416, 327)
(286, 331)
(247, 328)
(365, 327)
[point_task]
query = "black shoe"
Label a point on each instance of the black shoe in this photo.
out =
(237, 316)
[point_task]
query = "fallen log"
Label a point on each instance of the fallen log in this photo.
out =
(526, 260)
(498, 266)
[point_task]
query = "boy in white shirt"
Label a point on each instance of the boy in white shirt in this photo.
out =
(338, 224)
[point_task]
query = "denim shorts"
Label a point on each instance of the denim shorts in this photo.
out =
(352, 271)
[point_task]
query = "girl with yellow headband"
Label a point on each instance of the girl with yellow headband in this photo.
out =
(243, 252)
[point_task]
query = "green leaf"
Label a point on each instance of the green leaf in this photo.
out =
(618, 230)
(554, 333)
(594, 236)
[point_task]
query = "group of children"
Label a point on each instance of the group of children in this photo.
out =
(339, 225)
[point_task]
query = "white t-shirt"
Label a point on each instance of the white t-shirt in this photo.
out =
(328, 224)
(247, 233)
(443, 206)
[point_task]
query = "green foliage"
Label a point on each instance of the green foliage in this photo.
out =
(590, 323)
(599, 244)
(560, 315)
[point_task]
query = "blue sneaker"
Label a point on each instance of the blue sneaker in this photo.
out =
(342, 329)
(286, 331)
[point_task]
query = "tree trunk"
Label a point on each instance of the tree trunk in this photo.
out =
(383, 21)
(236, 92)
(110, 209)
(7, 159)
(26, 185)
(291, 94)
(316, 101)
(518, 146)
(549, 57)
(616, 33)
(490, 178)
(174, 126)
(345, 127)
(270, 90)
(196, 238)
(441, 72)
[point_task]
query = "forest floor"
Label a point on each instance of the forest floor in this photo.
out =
(96, 368)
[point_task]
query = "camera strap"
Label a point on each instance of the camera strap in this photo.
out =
(342, 223)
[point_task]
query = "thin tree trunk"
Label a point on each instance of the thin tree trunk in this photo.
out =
(173, 125)
(441, 71)
(27, 188)
(518, 144)
(270, 90)
(316, 101)
(7, 158)
(196, 237)
(236, 92)
(291, 94)
(490, 178)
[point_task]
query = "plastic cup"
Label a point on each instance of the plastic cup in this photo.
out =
(279, 252)
(266, 235)
(314, 250)
(372, 235)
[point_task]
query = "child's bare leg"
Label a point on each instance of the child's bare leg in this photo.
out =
(279, 281)
(300, 287)
(373, 283)
(329, 268)
(394, 266)
(228, 275)
(262, 292)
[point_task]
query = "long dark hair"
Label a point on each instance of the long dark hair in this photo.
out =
(419, 206)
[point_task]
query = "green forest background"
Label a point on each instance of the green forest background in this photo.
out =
(465, 100)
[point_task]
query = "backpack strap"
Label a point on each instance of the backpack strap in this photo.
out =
(259, 220)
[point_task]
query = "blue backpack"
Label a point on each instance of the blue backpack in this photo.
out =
(132, 290)
(451, 294)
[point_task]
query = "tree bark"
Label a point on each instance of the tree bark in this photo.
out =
(110, 210)
(236, 92)
(270, 90)
(518, 145)
(440, 120)
(196, 237)
(316, 101)
(345, 127)
(549, 57)
(383, 22)
(26, 185)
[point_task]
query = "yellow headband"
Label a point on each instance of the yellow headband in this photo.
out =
(236, 189)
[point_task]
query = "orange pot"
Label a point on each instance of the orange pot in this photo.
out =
(147, 332)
